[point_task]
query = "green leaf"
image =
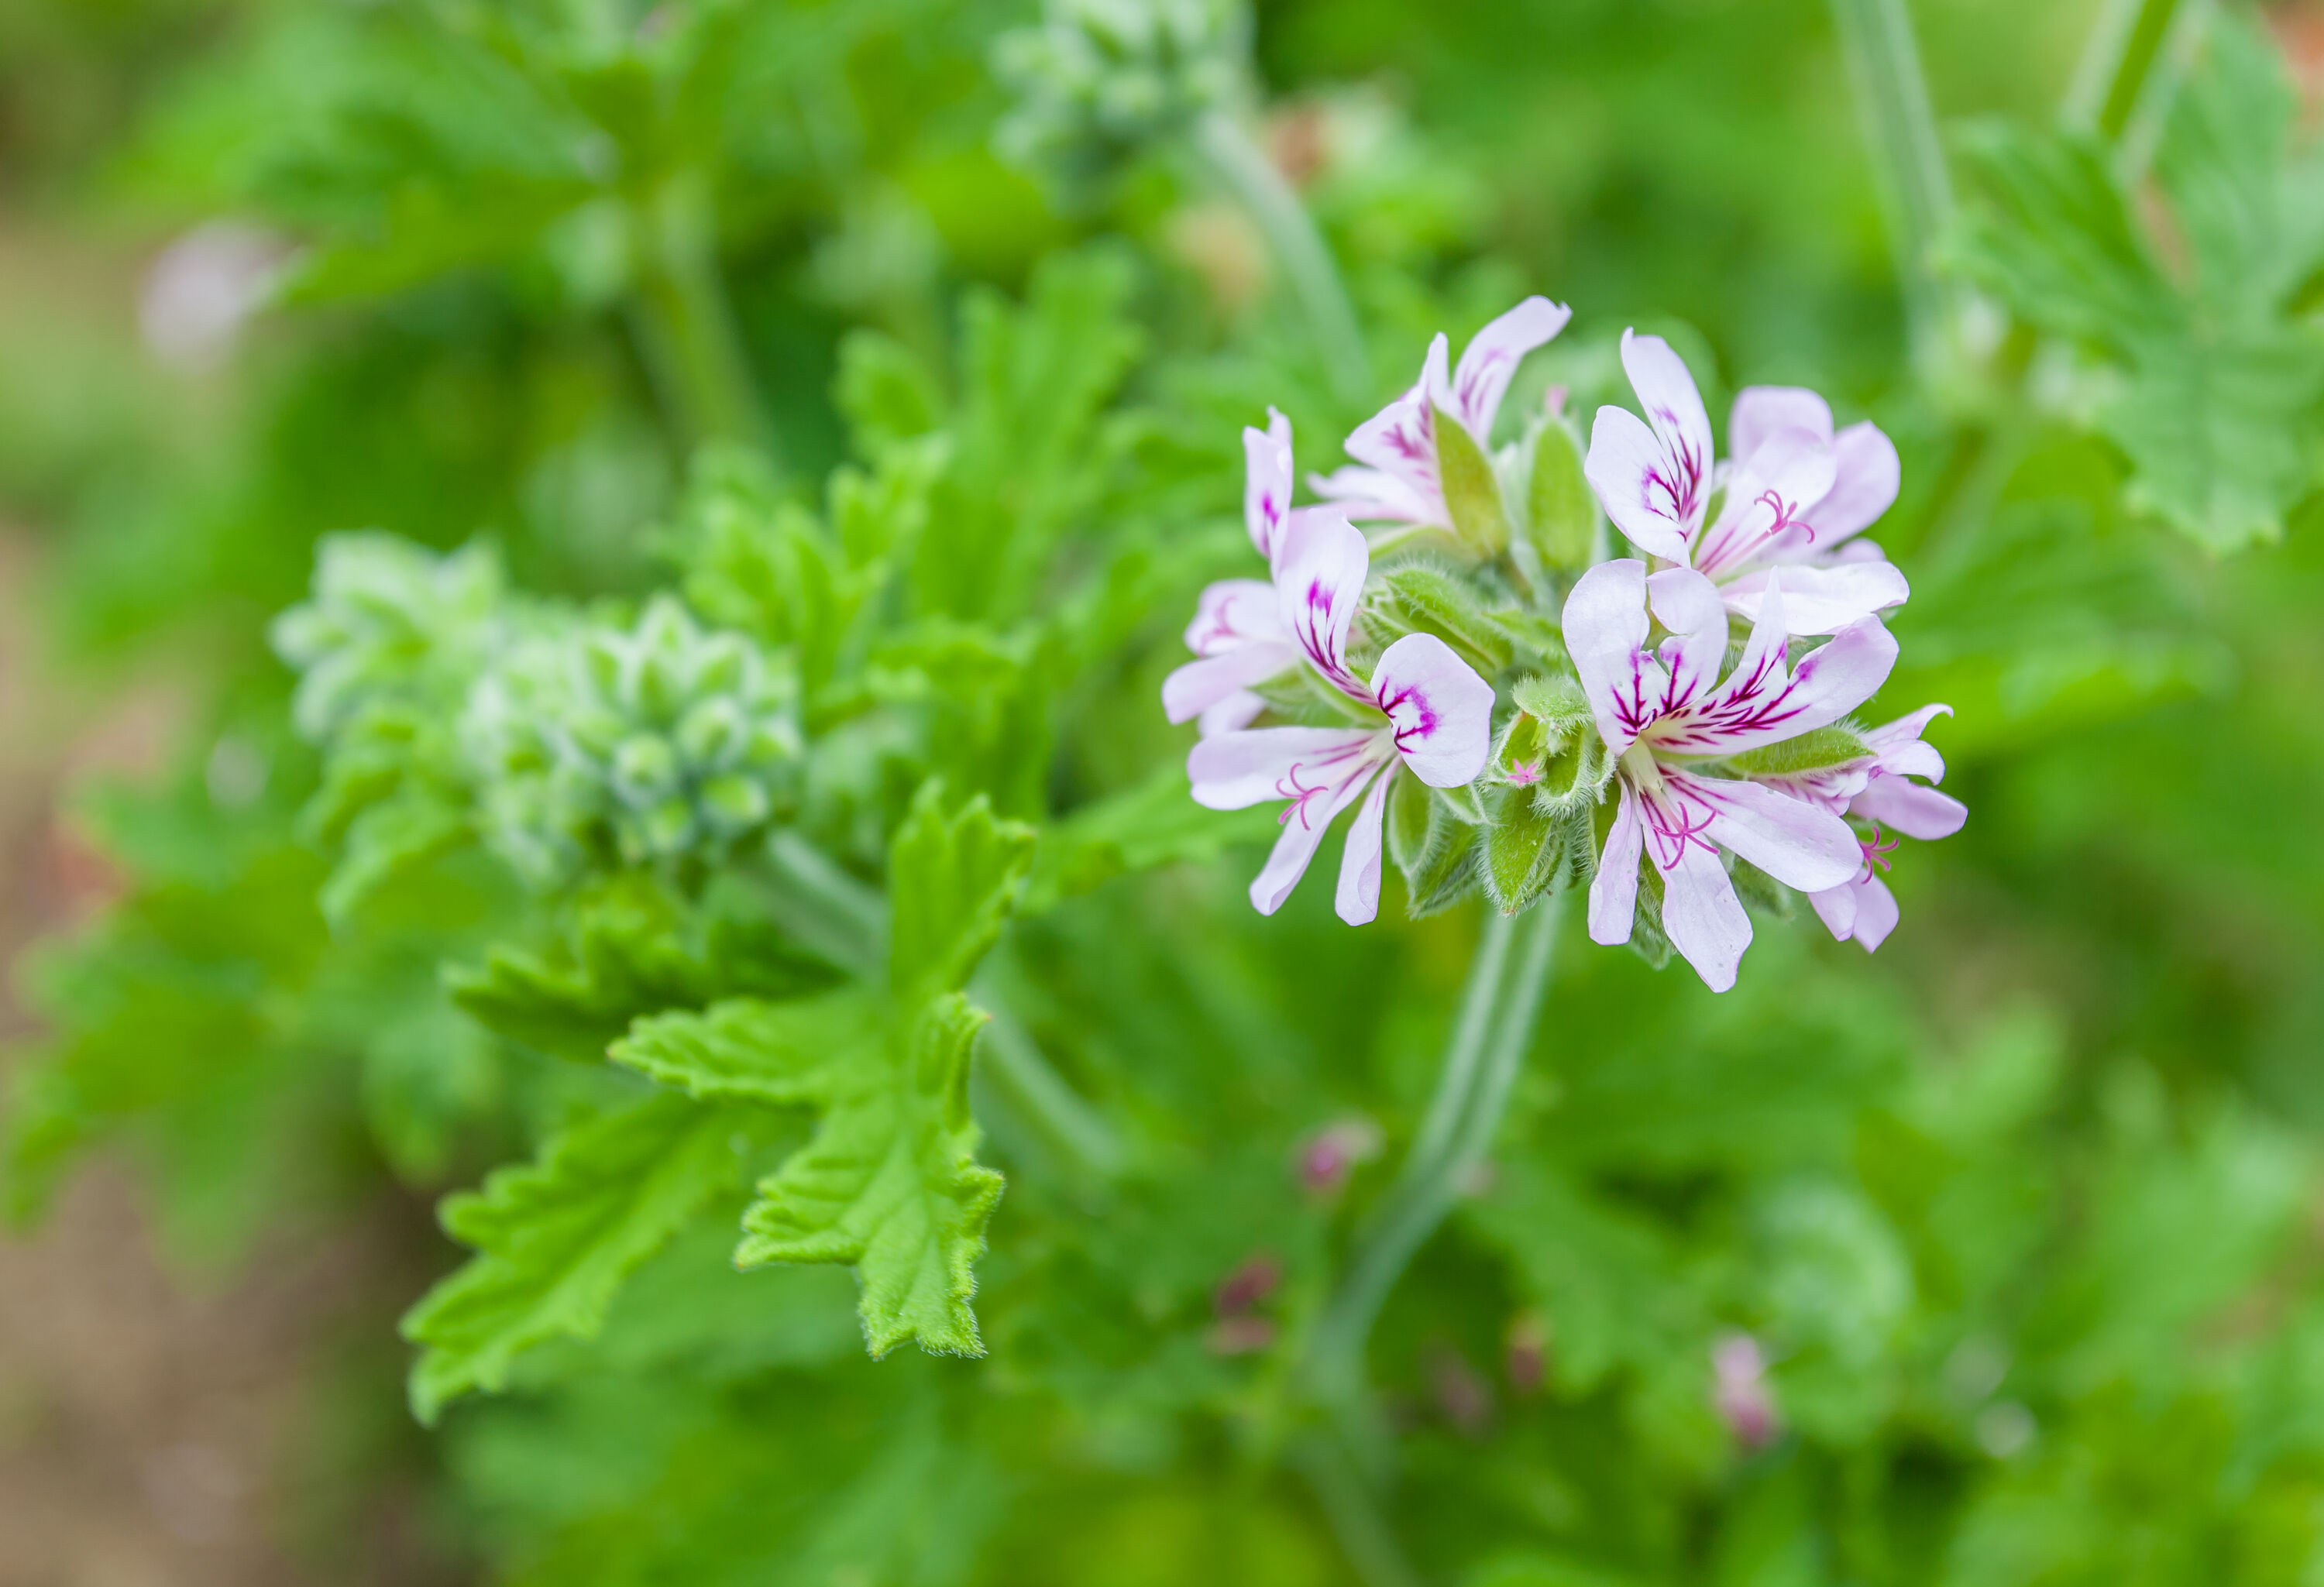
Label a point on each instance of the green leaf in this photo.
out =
(2217, 394)
(1449, 866)
(1561, 510)
(791, 1054)
(555, 1239)
(419, 822)
(1471, 494)
(951, 882)
(888, 393)
(1819, 747)
(889, 1182)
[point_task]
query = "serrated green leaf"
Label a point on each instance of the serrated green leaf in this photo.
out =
(1561, 510)
(2219, 398)
(951, 882)
(1471, 494)
(1835, 745)
(792, 1054)
(554, 1239)
(888, 1183)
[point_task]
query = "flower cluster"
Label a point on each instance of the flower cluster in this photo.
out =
(663, 738)
(1677, 718)
(1096, 80)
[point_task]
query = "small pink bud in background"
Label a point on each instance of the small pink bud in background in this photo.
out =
(1462, 1397)
(1247, 1286)
(1741, 1393)
(201, 290)
(1526, 1357)
(1552, 402)
(1329, 1157)
(1239, 1331)
(1240, 1336)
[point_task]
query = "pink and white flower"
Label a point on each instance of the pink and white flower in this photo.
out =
(1662, 711)
(1238, 640)
(1879, 789)
(1396, 479)
(1796, 493)
(1236, 635)
(1427, 710)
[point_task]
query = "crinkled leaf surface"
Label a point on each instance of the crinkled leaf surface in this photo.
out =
(555, 1238)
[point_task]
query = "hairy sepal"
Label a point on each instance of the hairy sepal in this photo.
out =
(1419, 599)
(1561, 511)
(1811, 750)
(1472, 494)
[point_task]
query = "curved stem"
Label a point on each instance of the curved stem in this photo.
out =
(1893, 96)
(1506, 982)
(692, 344)
(1299, 248)
(840, 917)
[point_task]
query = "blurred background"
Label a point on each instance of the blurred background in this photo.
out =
(271, 268)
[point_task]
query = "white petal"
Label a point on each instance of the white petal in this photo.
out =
(1253, 766)
(1322, 580)
(1757, 705)
(1759, 412)
(1767, 500)
(1674, 408)
(1864, 484)
(1303, 829)
(1369, 495)
(1605, 629)
(1631, 474)
(1702, 914)
(1400, 440)
(1267, 483)
(1198, 686)
(1821, 599)
(1492, 357)
(1907, 728)
(1836, 908)
(1904, 806)
(1614, 890)
(1688, 605)
(1875, 910)
(1357, 900)
(1800, 844)
(1235, 712)
(1441, 710)
(1234, 613)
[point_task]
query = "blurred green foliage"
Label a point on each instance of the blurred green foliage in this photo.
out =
(739, 302)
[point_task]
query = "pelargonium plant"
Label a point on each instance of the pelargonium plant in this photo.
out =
(1673, 729)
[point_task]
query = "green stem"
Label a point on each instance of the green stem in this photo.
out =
(846, 922)
(1010, 1064)
(692, 344)
(1338, 1484)
(1299, 248)
(1490, 1035)
(1892, 95)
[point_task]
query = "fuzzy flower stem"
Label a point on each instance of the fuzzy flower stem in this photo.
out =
(1507, 979)
(686, 326)
(1223, 147)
